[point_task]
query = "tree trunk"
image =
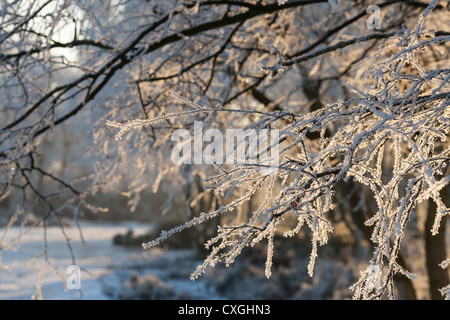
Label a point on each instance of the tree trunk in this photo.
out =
(435, 251)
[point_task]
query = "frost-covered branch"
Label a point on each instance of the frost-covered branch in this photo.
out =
(350, 105)
(413, 122)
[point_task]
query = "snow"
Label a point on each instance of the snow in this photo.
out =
(104, 266)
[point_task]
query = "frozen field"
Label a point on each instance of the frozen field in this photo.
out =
(104, 266)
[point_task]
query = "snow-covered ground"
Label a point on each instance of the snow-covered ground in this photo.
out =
(104, 266)
(111, 271)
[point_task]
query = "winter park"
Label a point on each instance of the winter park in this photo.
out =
(226, 150)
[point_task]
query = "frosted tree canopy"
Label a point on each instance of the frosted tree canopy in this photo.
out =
(359, 100)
